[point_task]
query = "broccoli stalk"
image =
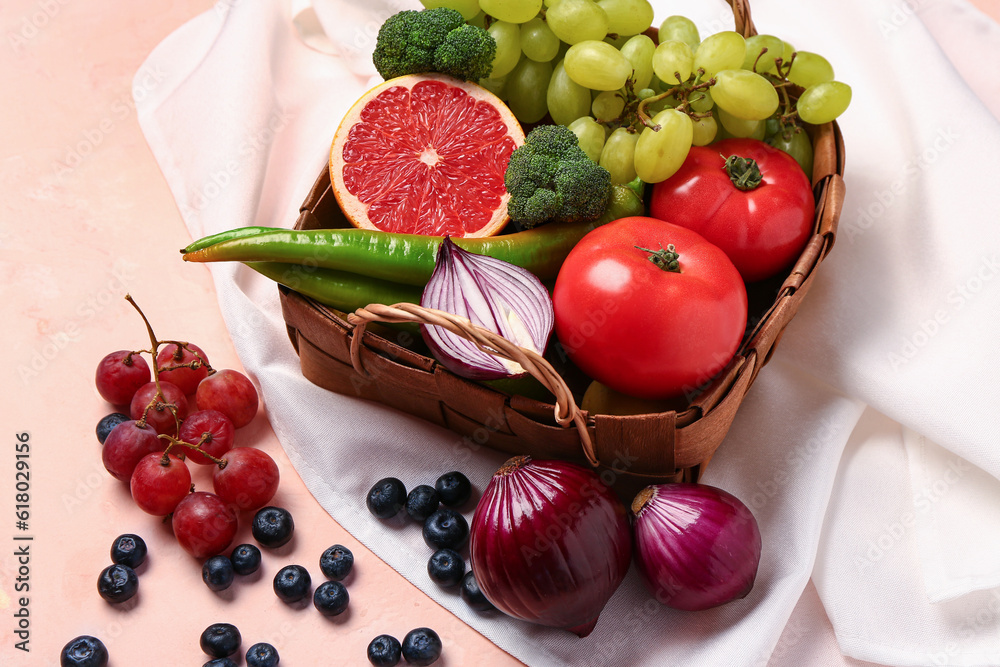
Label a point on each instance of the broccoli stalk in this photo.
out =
(551, 179)
(433, 40)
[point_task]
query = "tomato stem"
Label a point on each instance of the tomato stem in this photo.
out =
(743, 172)
(665, 259)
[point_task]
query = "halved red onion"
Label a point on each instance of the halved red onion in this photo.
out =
(696, 546)
(497, 295)
(549, 543)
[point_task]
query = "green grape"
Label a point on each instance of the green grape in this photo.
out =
(566, 99)
(723, 50)
(627, 17)
(681, 29)
(701, 100)
(468, 8)
(671, 59)
(823, 102)
(794, 141)
(527, 90)
(538, 41)
(597, 65)
(703, 130)
(739, 127)
(660, 153)
(575, 21)
(744, 94)
(590, 134)
(645, 93)
(607, 106)
(479, 20)
(551, 3)
(512, 11)
(496, 85)
(508, 38)
(757, 43)
(617, 41)
(638, 50)
(618, 155)
(808, 69)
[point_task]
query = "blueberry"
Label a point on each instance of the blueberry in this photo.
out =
(384, 651)
(84, 651)
(220, 640)
(422, 502)
(245, 559)
(386, 497)
(472, 594)
(446, 529)
(446, 567)
(331, 598)
(262, 655)
(421, 646)
(128, 550)
(218, 573)
(454, 488)
(117, 583)
(336, 562)
(292, 583)
(220, 662)
(108, 423)
(273, 526)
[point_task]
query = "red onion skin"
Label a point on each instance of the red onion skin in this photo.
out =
(549, 543)
(696, 546)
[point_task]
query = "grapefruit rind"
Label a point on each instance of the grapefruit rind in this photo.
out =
(425, 154)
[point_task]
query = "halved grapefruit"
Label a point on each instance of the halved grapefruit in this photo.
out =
(425, 154)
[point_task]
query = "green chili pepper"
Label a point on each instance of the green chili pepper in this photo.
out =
(229, 235)
(403, 258)
(344, 291)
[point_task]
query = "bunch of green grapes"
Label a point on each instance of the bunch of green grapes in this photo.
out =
(637, 106)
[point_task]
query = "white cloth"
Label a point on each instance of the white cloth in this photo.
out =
(834, 449)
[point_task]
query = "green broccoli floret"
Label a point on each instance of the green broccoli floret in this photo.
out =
(433, 40)
(467, 53)
(550, 178)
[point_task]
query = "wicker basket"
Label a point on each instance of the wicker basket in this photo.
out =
(671, 445)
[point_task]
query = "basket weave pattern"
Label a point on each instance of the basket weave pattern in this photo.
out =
(670, 445)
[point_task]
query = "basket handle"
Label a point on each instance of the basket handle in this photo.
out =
(741, 14)
(566, 410)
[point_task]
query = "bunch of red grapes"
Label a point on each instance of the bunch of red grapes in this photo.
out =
(180, 410)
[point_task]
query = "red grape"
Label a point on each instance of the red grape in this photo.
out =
(126, 445)
(217, 429)
(158, 485)
(119, 376)
(249, 479)
(169, 361)
(231, 393)
(204, 524)
(159, 416)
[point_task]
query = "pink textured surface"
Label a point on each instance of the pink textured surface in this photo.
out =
(84, 218)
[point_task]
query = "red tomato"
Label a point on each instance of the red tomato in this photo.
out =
(763, 229)
(640, 329)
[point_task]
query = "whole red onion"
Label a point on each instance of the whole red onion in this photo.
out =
(549, 543)
(696, 546)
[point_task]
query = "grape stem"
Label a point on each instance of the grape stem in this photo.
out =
(158, 397)
(172, 441)
(684, 107)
